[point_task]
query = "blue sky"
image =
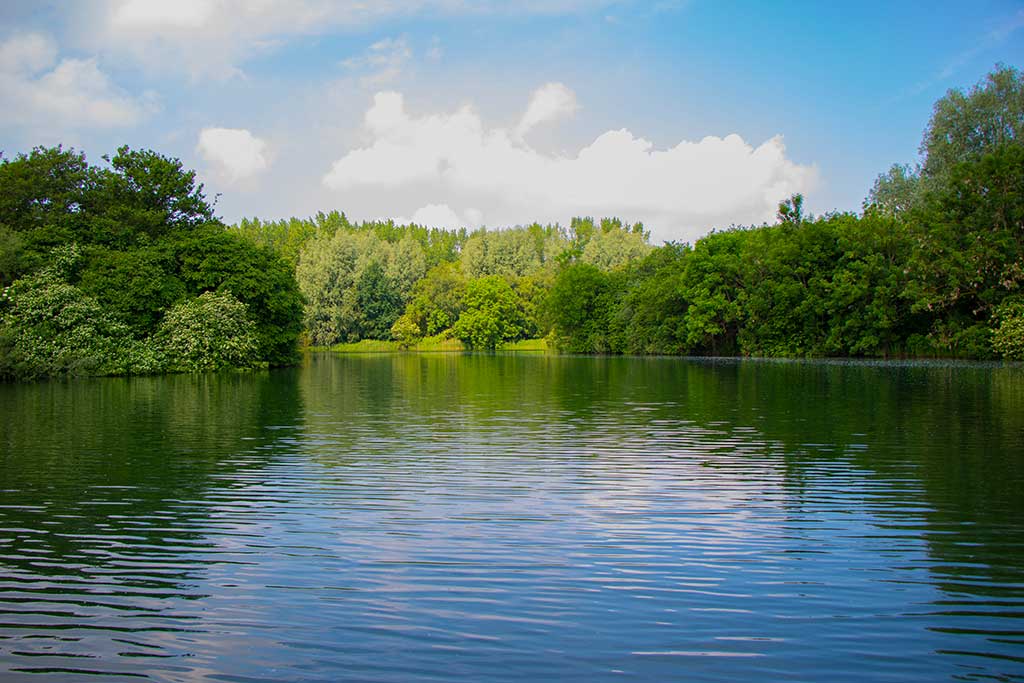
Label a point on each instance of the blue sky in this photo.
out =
(687, 115)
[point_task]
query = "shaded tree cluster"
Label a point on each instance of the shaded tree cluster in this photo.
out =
(100, 264)
(934, 266)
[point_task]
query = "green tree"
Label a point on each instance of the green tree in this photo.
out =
(12, 248)
(791, 210)
(407, 266)
(712, 286)
(614, 248)
(379, 301)
(42, 195)
(344, 300)
(969, 249)
(1008, 335)
(288, 237)
(493, 314)
(137, 285)
(786, 270)
(895, 192)
(210, 259)
(405, 331)
(579, 309)
(437, 299)
(650, 315)
(148, 239)
(142, 197)
(512, 252)
(966, 126)
(867, 311)
(44, 189)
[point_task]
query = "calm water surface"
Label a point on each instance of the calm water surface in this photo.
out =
(516, 517)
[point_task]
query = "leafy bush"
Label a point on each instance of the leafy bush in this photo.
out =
(211, 332)
(50, 328)
(1008, 337)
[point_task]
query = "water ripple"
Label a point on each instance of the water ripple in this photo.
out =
(423, 518)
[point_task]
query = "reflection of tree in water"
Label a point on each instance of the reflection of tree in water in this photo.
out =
(111, 491)
(98, 472)
(943, 440)
(950, 434)
(932, 444)
(367, 404)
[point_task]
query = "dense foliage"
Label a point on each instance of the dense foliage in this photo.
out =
(494, 314)
(379, 280)
(102, 267)
(124, 269)
(933, 266)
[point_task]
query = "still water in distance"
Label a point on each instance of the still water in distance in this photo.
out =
(517, 517)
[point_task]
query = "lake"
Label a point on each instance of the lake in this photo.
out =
(517, 518)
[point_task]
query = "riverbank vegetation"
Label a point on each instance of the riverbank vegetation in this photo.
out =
(932, 266)
(124, 269)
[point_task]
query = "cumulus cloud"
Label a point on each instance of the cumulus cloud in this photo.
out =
(680, 192)
(441, 216)
(40, 90)
(550, 102)
(235, 153)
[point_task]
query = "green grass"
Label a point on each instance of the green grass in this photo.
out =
(527, 345)
(437, 343)
(382, 346)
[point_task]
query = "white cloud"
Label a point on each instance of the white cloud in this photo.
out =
(28, 53)
(40, 91)
(146, 14)
(235, 153)
(212, 38)
(382, 63)
(442, 216)
(550, 102)
(680, 192)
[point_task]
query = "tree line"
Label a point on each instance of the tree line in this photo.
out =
(124, 269)
(378, 280)
(932, 266)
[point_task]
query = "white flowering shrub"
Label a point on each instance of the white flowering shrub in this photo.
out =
(211, 332)
(1008, 336)
(50, 328)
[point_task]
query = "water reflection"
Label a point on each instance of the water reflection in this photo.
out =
(510, 517)
(105, 511)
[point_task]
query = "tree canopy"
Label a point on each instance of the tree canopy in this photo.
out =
(145, 243)
(123, 268)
